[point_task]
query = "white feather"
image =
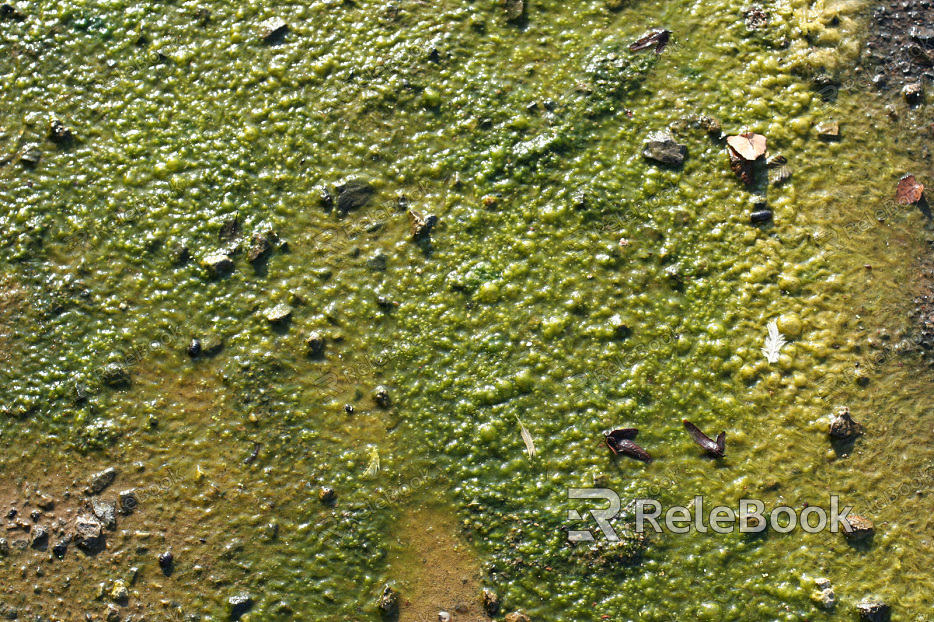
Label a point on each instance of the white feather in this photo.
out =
(773, 343)
(526, 438)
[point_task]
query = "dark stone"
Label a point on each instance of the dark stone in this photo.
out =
(388, 603)
(105, 511)
(180, 255)
(166, 560)
(115, 375)
(381, 396)
(61, 547)
(327, 495)
(88, 532)
(349, 409)
(515, 10)
(874, 611)
(756, 17)
(58, 133)
(843, 427)
(100, 481)
(8, 11)
(352, 195)
(326, 199)
(662, 147)
(239, 605)
(490, 602)
(315, 343)
(39, 536)
(377, 262)
(230, 229)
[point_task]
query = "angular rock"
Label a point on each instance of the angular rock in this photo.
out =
(58, 133)
(515, 9)
(88, 532)
(273, 30)
(38, 536)
(211, 344)
(239, 605)
(874, 611)
(922, 34)
(218, 264)
(662, 147)
(826, 598)
(105, 511)
(61, 547)
(831, 129)
(353, 194)
(45, 502)
(31, 156)
(843, 427)
(860, 528)
(119, 592)
(115, 375)
(914, 92)
(278, 314)
(381, 396)
(260, 245)
(518, 616)
(490, 602)
(388, 603)
(100, 481)
(315, 343)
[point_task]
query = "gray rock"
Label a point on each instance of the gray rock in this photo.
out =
(662, 147)
(377, 262)
(88, 532)
(115, 375)
(922, 34)
(211, 344)
(278, 314)
(272, 30)
(31, 155)
(239, 605)
(515, 10)
(106, 511)
(353, 194)
(100, 481)
(843, 427)
(45, 502)
(874, 611)
(218, 263)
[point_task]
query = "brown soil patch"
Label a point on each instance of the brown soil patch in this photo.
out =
(434, 569)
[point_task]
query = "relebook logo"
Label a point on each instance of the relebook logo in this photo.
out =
(749, 518)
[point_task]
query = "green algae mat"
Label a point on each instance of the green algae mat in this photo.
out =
(346, 295)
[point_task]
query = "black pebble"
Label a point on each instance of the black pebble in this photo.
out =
(166, 559)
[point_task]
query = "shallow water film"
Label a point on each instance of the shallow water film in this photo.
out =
(352, 310)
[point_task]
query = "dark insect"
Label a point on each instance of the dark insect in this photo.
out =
(620, 442)
(714, 448)
(249, 459)
(658, 38)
